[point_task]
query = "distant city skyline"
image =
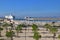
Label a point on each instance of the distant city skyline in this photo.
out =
(32, 8)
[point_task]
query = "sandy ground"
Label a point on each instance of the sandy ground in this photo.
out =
(45, 34)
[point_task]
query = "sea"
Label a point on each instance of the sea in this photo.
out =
(22, 19)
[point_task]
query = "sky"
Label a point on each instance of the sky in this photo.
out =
(32, 8)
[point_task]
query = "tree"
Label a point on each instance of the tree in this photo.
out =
(59, 36)
(6, 25)
(53, 30)
(34, 27)
(47, 26)
(0, 31)
(23, 25)
(36, 36)
(10, 34)
(53, 23)
(1, 39)
(19, 28)
(35, 30)
(0, 28)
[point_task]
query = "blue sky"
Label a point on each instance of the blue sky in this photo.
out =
(34, 8)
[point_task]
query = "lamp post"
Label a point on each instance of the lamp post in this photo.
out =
(25, 33)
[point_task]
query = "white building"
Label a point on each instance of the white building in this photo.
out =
(9, 17)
